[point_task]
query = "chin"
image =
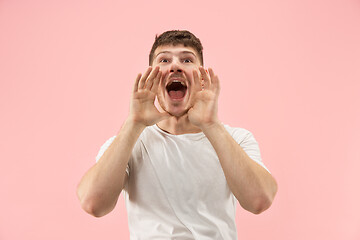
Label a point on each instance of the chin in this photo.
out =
(178, 113)
(174, 109)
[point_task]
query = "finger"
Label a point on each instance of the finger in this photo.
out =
(155, 85)
(150, 80)
(212, 77)
(206, 78)
(195, 87)
(211, 73)
(136, 85)
(215, 83)
(144, 77)
(196, 81)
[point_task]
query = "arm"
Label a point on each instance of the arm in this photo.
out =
(100, 187)
(252, 185)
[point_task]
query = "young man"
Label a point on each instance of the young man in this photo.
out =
(181, 169)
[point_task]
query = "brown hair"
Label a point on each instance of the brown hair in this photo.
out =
(175, 37)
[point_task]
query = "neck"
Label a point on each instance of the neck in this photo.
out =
(178, 125)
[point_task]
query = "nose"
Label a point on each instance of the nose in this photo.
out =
(176, 67)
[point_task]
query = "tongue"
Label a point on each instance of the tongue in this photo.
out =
(176, 94)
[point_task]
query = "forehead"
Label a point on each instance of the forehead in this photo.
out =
(176, 50)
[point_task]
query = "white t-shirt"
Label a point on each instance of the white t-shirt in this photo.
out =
(176, 187)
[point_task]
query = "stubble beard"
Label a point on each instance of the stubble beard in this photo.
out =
(178, 115)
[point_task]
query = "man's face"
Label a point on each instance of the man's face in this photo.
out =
(176, 64)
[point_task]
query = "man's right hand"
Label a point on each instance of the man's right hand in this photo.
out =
(142, 108)
(100, 187)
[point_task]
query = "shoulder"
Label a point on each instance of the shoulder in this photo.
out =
(239, 134)
(104, 146)
(248, 143)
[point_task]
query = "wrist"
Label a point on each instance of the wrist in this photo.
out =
(133, 125)
(212, 126)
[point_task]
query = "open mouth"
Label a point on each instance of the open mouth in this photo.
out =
(176, 90)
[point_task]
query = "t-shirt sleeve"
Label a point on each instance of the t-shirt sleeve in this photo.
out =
(249, 144)
(252, 149)
(103, 148)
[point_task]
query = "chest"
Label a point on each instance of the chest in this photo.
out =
(183, 169)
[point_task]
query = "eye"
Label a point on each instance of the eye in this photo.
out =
(187, 60)
(164, 60)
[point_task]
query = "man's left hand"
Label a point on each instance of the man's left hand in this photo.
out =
(203, 113)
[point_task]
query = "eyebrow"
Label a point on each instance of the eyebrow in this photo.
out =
(180, 52)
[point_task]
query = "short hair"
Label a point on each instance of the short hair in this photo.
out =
(176, 37)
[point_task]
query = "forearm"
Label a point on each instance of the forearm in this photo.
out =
(101, 186)
(252, 185)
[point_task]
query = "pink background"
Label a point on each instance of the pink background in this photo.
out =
(289, 71)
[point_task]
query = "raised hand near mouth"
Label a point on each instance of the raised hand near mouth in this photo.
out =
(203, 112)
(142, 108)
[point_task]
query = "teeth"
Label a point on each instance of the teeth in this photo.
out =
(182, 83)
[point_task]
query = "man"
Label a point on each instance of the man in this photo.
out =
(181, 169)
